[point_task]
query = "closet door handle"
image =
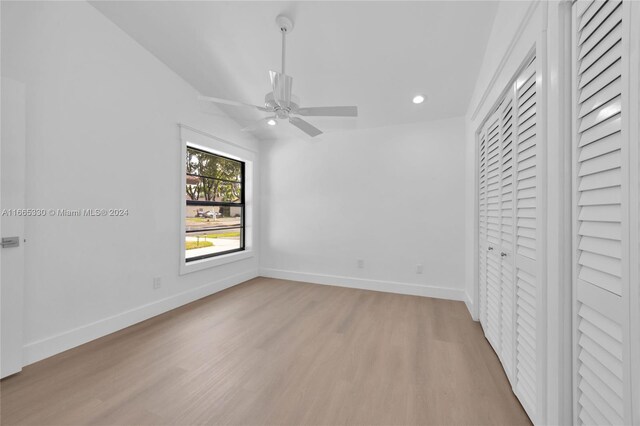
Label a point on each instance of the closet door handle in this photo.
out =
(503, 254)
(490, 248)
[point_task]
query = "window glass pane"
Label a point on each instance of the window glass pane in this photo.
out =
(193, 187)
(212, 242)
(211, 217)
(212, 228)
(205, 189)
(213, 166)
(229, 170)
(229, 192)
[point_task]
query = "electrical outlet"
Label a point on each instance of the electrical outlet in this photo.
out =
(419, 268)
(360, 263)
(157, 283)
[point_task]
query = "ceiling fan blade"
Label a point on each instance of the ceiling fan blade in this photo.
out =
(305, 126)
(281, 85)
(228, 102)
(331, 111)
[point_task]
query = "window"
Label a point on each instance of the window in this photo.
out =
(215, 205)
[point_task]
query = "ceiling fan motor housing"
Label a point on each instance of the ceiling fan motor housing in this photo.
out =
(270, 103)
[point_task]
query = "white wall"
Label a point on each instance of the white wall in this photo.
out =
(102, 116)
(393, 197)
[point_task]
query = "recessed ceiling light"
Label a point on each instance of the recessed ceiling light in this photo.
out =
(418, 99)
(272, 122)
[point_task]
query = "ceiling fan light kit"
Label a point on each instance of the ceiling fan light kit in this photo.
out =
(282, 102)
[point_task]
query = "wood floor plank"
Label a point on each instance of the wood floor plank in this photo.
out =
(276, 352)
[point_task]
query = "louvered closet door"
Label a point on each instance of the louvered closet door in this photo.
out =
(601, 214)
(510, 235)
(494, 272)
(507, 213)
(482, 224)
(526, 237)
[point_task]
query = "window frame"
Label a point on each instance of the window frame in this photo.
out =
(241, 204)
(206, 142)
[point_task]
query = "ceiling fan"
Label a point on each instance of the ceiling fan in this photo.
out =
(282, 103)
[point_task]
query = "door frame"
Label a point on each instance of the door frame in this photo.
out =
(558, 159)
(634, 201)
(14, 94)
(555, 67)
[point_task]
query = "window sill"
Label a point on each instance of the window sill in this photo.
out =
(199, 265)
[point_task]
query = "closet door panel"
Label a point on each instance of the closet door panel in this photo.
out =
(507, 224)
(494, 213)
(600, 215)
(526, 240)
(482, 225)
(509, 197)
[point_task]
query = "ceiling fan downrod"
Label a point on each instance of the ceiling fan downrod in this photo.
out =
(284, 46)
(286, 26)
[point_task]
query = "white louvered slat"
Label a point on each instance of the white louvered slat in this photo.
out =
(604, 112)
(600, 163)
(606, 179)
(602, 196)
(597, 45)
(606, 145)
(591, 28)
(609, 265)
(598, 278)
(589, 14)
(601, 246)
(607, 93)
(600, 363)
(600, 252)
(612, 231)
(604, 78)
(604, 407)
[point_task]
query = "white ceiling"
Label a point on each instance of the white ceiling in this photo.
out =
(376, 55)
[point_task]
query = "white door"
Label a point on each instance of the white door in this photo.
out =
(507, 223)
(528, 198)
(601, 222)
(482, 226)
(12, 156)
(510, 205)
(494, 274)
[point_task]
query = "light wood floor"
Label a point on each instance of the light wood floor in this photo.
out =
(276, 352)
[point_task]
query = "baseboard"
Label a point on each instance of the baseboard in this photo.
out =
(367, 284)
(41, 349)
(469, 302)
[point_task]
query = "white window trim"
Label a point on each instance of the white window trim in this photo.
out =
(201, 140)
